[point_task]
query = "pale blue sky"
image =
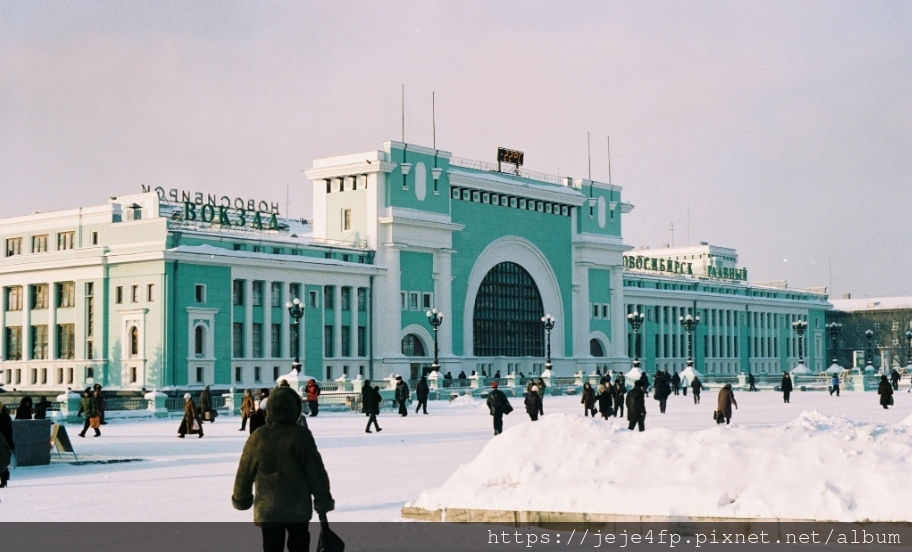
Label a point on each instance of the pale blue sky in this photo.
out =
(783, 128)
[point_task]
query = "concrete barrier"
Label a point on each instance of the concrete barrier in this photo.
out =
(33, 442)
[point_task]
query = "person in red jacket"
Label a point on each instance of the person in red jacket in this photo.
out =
(312, 390)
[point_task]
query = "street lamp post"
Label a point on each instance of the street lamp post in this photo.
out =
(636, 320)
(296, 311)
(690, 324)
(800, 326)
(548, 320)
(834, 329)
(436, 319)
(909, 354)
(869, 335)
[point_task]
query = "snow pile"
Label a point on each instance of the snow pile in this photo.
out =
(466, 401)
(814, 467)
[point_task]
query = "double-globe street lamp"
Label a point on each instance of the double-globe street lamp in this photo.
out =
(636, 320)
(690, 324)
(869, 335)
(834, 329)
(800, 327)
(435, 317)
(296, 311)
(548, 321)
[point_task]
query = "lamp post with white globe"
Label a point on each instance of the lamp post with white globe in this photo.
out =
(296, 311)
(548, 321)
(435, 318)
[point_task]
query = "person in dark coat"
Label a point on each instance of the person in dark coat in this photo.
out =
(422, 391)
(532, 402)
(661, 390)
(248, 406)
(24, 412)
(402, 395)
(258, 418)
(540, 383)
(751, 382)
(588, 400)
(894, 378)
(191, 422)
(206, 405)
(725, 402)
(6, 435)
(461, 375)
(370, 405)
(696, 385)
(645, 379)
(618, 390)
(100, 403)
(282, 462)
(603, 398)
(89, 408)
(636, 406)
(885, 390)
(41, 408)
(675, 383)
(786, 386)
(497, 405)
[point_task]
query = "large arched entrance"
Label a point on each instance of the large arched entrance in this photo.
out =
(506, 320)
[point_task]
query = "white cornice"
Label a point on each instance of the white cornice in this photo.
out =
(409, 217)
(414, 148)
(566, 196)
(283, 263)
(596, 241)
(364, 167)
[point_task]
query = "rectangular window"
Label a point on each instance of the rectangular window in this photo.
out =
(294, 290)
(199, 374)
(237, 292)
(257, 293)
(118, 295)
(66, 341)
(39, 342)
(65, 240)
(256, 373)
(606, 313)
(95, 238)
(328, 292)
(13, 343)
(257, 248)
(413, 300)
(237, 339)
(200, 293)
(276, 292)
(346, 219)
(59, 376)
(237, 374)
(71, 372)
(346, 298)
(275, 341)
(40, 296)
(346, 341)
(150, 292)
(40, 243)
(522, 203)
(362, 299)
(275, 372)
(14, 298)
(66, 294)
(239, 247)
(595, 311)
(329, 373)
(362, 341)
(134, 294)
(313, 299)
(257, 334)
(426, 300)
(13, 246)
(403, 301)
(328, 348)
(134, 373)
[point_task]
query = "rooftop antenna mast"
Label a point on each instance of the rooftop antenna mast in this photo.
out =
(671, 226)
(589, 155)
(403, 113)
(433, 120)
(609, 160)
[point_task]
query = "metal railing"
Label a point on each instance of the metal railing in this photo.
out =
(492, 167)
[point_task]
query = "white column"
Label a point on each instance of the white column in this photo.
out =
(618, 314)
(52, 321)
(337, 321)
(248, 318)
(443, 300)
(388, 309)
(582, 310)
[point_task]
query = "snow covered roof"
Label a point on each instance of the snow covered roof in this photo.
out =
(871, 303)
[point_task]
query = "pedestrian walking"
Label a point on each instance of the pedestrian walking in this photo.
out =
(588, 400)
(312, 390)
(540, 383)
(894, 378)
(258, 418)
(6, 435)
(282, 462)
(370, 405)
(402, 396)
(661, 390)
(498, 405)
(885, 390)
(834, 385)
(41, 408)
(684, 384)
(645, 379)
(24, 410)
(100, 403)
(618, 390)
(533, 403)
(696, 385)
(603, 398)
(89, 408)
(636, 406)
(786, 386)
(725, 401)
(191, 422)
(751, 382)
(247, 408)
(205, 409)
(676, 383)
(422, 391)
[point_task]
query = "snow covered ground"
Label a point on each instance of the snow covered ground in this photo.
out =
(819, 457)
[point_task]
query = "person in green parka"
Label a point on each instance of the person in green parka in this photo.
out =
(88, 408)
(282, 460)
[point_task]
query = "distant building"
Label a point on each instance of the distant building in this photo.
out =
(888, 318)
(170, 288)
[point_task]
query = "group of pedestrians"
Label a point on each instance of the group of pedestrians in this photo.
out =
(92, 407)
